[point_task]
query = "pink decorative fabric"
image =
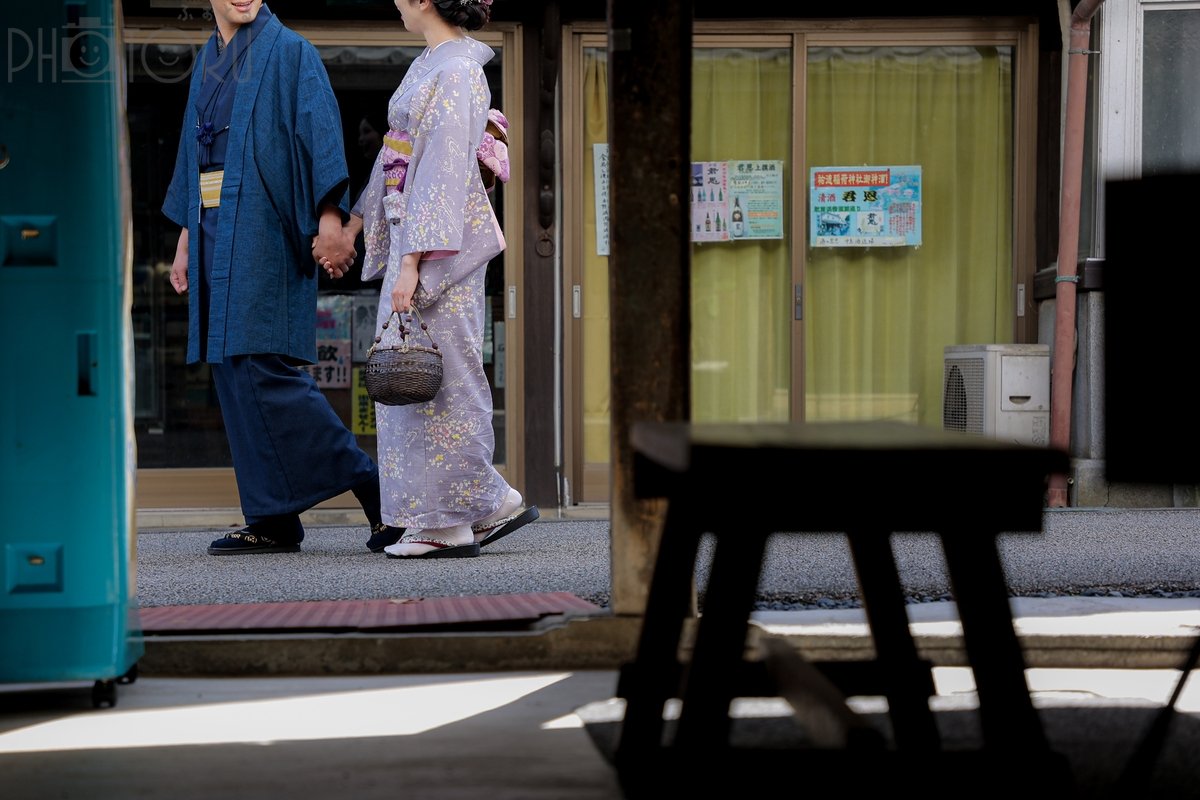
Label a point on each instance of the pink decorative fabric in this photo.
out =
(396, 153)
(493, 149)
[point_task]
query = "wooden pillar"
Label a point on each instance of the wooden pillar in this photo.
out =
(543, 32)
(649, 123)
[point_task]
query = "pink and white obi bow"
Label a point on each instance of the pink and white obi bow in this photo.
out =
(493, 149)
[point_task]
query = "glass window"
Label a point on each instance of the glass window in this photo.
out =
(877, 318)
(741, 110)
(1170, 92)
(741, 289)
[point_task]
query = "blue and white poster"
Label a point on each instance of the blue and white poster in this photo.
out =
(865, 206)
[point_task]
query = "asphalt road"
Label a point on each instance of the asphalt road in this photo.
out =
(1133, 551)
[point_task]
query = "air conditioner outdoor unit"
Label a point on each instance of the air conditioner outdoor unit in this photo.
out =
(998, 390)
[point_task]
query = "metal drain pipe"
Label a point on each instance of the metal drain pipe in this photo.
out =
(1068, 241)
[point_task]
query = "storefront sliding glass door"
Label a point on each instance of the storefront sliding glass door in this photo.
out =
(742, 112)
(785, 326)
(878, 317)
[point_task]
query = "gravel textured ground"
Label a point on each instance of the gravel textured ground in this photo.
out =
(1133, 552)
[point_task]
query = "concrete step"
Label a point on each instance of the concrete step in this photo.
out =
(1058, 632)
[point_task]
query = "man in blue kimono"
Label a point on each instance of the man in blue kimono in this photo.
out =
(260, 172)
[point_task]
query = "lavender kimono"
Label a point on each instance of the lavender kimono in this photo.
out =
(435, 458)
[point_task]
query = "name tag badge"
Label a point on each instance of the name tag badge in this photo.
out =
(210, 188)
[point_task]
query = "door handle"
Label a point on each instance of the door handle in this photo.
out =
(86, 363)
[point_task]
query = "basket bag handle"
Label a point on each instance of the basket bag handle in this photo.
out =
(404, 331)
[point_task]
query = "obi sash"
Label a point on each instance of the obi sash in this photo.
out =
(210, 188)
(398, 153)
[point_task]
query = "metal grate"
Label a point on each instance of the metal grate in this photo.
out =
(962, 395)
(511, 611)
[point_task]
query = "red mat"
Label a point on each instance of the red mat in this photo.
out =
(488, 611)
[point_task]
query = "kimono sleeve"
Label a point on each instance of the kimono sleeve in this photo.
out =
(376, 233)
(323, 176)
(175, 205)
(440, 173)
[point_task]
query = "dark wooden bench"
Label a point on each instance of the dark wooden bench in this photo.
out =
(743, 482)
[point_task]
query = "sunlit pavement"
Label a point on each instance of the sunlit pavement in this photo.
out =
(511, 735)
(495, 736)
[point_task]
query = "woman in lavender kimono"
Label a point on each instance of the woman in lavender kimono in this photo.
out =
(429, 226)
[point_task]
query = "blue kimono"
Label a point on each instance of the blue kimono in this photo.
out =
(283, 157)
(262, 109)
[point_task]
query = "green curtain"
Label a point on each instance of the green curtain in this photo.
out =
(877, 319)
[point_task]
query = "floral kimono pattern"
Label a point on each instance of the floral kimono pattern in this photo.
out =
(435, 458)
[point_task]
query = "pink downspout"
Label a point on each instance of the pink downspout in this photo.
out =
(1068, 242)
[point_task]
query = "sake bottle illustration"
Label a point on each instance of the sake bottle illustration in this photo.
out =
(707, 222)
(737, 224)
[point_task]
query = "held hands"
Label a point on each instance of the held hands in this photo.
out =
(406, 282)
(333, 247)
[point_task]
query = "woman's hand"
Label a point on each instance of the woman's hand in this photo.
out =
(332, 249)
(350, 232)
(406, 282)
(353, 227)
(179, 267)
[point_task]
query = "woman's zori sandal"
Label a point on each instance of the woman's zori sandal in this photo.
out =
(511, 515)
(464, 541)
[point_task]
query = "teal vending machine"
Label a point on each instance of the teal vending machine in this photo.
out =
(68, 609)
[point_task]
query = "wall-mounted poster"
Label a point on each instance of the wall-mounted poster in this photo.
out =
(362, 409)
(755, 199)
(729, 200)
(710, 208)
(366, 307)
(600, 186)
(334, 349)
(333, 316)
(734, 200)
(865, 206)
(332, 370)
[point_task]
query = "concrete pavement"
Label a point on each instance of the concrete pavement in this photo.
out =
(536, 734)
(469, 731)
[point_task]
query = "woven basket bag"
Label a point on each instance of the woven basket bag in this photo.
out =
(405, 373)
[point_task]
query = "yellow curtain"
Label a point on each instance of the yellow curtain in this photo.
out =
(741, 298)
(877, 319)
(594, 286)
(741, 291)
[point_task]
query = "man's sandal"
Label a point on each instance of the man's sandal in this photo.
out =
(383, 535)
(244, 542)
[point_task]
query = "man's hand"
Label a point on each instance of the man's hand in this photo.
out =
(179, 267)
(333, 248)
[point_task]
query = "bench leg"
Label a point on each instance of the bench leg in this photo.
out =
(655, 669)
(913, 723)
(720, 648)
(1006, 713)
